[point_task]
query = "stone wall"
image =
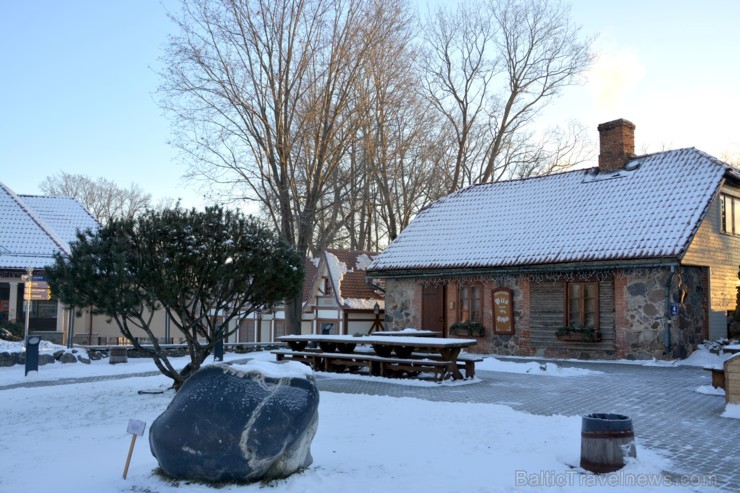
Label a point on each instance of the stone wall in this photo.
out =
(634, 313)
(400, 304)
(647, 315)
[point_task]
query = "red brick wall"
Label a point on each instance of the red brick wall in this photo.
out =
(617, 144)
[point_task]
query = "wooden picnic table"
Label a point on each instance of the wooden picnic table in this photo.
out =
(731, 348)
(388, 347)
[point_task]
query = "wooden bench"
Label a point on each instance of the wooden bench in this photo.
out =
(321, 361)
(468, 361)
(310, 358)
(397, 367)
(718, 376)
(465, 361)
(376, 365)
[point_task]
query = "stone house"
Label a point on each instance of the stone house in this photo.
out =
(636, 258)
(336, 300)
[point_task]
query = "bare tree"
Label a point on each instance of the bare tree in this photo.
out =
(260, 94)
(457, 72)
(102, 198)
(388, 174)
(731, 158)
(492, 65)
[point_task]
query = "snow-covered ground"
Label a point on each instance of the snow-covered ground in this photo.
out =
(71, 438)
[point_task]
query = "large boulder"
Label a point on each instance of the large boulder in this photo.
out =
(248, 423)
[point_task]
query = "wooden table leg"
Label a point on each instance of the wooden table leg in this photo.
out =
(297, 345)
(403, 351)
(381, 350)
(348, 347)
(450, 355)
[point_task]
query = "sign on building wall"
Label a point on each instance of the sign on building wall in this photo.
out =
(503, 319)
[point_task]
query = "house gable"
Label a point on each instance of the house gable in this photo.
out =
(347, 272)
(721, 253)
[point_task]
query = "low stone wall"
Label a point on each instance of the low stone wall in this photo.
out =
(62, 356)
(97, 353)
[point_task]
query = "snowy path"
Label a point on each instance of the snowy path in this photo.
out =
(669, 416)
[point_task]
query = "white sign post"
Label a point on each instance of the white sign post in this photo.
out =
(136, 428)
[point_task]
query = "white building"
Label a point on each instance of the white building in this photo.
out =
(32, 229)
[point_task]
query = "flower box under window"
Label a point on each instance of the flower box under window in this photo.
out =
(467, 329)
(578, 334)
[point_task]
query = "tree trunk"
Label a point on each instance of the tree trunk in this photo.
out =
(293, 309)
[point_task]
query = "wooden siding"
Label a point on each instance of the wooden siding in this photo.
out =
(547, 315)
(732, 380)
(721, 253)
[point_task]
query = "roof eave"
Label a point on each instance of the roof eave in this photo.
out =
(523, 269)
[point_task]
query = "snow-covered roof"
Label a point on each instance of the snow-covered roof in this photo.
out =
(650, 209)
(33, 228)
(311, 266)
(63, 215)
(347, 270)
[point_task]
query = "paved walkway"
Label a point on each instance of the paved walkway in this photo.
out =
(666, 413)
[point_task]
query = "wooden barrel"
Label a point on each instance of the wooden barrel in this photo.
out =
(606, 439)
(118, 355)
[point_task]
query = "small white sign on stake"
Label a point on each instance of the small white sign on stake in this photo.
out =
(136, 428)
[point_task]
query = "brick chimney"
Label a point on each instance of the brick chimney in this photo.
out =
(617, 144)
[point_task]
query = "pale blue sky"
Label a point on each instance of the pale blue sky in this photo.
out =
(77, 82)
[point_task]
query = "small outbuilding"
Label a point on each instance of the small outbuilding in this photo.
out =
(732, 380)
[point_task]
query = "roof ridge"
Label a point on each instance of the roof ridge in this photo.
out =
(576, 170)
(31, 195)
(35, 218)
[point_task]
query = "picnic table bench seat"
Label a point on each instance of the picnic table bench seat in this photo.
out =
(465, 361)
(321, 361)
(377, 365)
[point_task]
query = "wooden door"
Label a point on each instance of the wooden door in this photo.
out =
(433, 308)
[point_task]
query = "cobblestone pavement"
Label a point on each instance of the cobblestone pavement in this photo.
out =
(667, 414)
